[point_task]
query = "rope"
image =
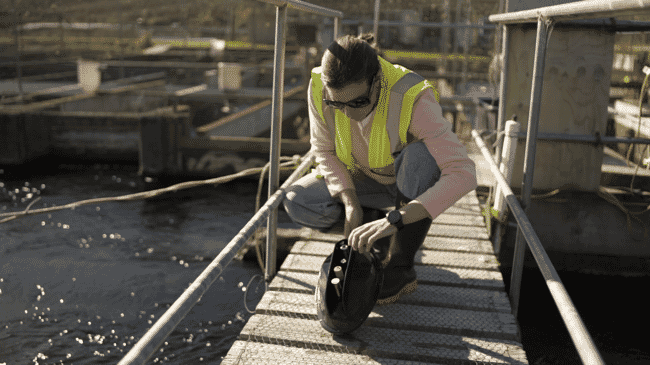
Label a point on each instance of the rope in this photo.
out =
(629, 214)
(149, 194)
(25, 211)
(258, 201)
(247, 290)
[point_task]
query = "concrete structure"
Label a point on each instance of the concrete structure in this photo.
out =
(574, 99)
(580, 220)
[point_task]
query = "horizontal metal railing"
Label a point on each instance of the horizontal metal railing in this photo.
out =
(303, 6)
(577, 330)
(573, 10)
(154, 337)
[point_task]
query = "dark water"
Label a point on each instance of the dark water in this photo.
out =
(82, 286)
(613, 309)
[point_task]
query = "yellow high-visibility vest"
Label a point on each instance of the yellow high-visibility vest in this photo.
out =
(399, 90)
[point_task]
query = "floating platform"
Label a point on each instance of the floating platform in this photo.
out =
(459, 314)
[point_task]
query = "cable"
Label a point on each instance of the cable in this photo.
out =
(146, 194)
(258, 198)
(546, 195)
(613, 200)
(246, 291)
(25, 211)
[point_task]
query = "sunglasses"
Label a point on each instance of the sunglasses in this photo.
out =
(357, 103)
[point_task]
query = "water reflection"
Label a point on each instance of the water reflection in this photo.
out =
(82, 286)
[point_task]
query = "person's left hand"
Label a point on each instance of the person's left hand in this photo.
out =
(363, 237)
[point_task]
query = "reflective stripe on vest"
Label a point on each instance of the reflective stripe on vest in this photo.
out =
(399, 90)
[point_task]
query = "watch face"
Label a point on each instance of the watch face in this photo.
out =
(394, 216)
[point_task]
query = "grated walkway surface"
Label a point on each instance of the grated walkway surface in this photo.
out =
(459, 314)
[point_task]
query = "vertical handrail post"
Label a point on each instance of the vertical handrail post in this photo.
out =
(121, 42)
(337, 24)
(529, 158)
(502, 88)
(276, 133)
(19, 61)
(375, 25)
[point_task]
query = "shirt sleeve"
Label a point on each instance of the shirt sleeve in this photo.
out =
(458, 171)
(337, 177)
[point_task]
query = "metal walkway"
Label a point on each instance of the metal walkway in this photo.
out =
(460, 313)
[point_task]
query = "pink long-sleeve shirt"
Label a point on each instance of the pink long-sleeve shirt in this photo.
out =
(428, 125)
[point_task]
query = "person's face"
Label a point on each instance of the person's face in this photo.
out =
(355, 100)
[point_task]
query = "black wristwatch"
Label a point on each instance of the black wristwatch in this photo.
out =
(394, 217)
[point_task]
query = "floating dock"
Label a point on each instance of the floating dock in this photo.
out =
(459, 314)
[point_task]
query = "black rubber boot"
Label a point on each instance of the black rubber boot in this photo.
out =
(399, 273)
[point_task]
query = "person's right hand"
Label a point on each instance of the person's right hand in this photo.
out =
(353, 211)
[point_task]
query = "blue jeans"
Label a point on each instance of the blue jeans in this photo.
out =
(309, 203)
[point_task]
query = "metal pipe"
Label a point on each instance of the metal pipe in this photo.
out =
(337, 25)
(430, 24)
(529, 157)
(579, 335)
(503, 88)
(121, 42)
(577, 138)
(384, 23)
(574, 10)
(506, 167)
(19, 61)
(303, 6)
(375, 25)
(276, 133)
(151, 341)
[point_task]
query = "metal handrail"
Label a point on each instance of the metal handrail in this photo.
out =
(303, 6)
(422, 24)
(571, 11)
(577, 330)
(151, 341)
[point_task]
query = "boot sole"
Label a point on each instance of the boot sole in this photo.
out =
(407, 289)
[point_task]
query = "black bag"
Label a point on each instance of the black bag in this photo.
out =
(347, 290)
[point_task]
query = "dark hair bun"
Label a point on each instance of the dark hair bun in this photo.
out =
(368, 37)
